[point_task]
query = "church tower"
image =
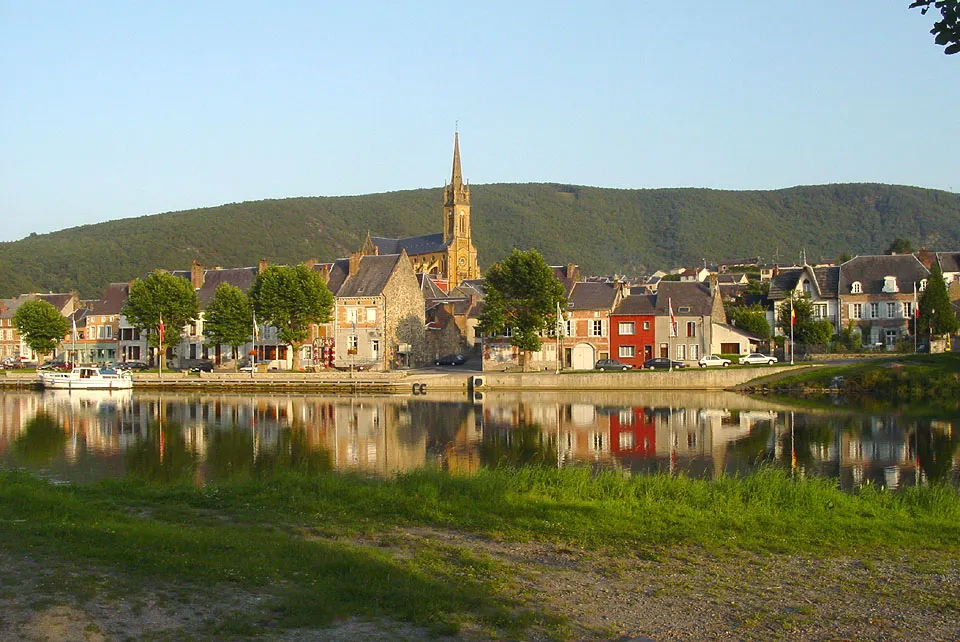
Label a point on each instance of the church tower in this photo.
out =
(461, 260)
(456, 201)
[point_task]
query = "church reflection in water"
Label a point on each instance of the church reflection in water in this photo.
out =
(87, 435)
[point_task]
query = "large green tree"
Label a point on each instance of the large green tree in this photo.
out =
(806, 329)
(752, 319)
(41, 325)
(228, 319)
(522, 295)
(291, 298)
(936, 314)
(899, 246)
(946, 31)
(162, 296)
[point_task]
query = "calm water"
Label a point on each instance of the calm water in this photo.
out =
(87, 435)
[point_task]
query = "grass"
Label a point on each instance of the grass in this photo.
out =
(324, 547)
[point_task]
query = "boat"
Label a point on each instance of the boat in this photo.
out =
(87, 378)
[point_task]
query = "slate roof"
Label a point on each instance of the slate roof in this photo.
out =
(59, 301)
(684, 294)
(470, 286)
(870, 270)
(592, 296)
(825, 280)
(10, 306)
(412, 244)
(114, 296)
(430, 289)
(242, 278)
(949, 261)
(372, 276)
(637, 304)
(784, 282)
(828, 279)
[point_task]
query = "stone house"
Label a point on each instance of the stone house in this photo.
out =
(11, 343)
(877, 295)
(691, 309)
(819, 284)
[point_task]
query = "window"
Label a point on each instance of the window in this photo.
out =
(923, 284)
(874, 310)
(625, 418)
(569, 328)
(371, 315)
(596, 328)
(628, 352)
(891, 310)
(646, 325)
(856, 288)
(683, 309)
(694, 350)
(507, 332)
(626, 327)
(681, 352)
(856, 311)
(819, 310)
(628, 441)
(351, 315)
(907, 309)
(352, 342)
(691, 328)
(597, 439)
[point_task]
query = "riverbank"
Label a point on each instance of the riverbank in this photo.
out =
(426, 380)
(523, 554)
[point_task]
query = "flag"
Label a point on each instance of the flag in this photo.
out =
(160, 328)
(793, 314)
(74, 319)
(673, 320)
(256, 330)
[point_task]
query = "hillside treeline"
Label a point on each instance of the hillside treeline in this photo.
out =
(604, 230)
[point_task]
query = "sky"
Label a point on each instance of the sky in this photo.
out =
(117, 109)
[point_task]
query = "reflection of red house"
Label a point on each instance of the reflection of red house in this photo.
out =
(633, 432)
(632, 337)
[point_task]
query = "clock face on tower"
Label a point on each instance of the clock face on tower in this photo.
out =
(462, 261)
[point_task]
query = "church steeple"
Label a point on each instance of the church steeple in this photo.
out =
(456, 200)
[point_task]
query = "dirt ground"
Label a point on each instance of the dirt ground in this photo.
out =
(678, 594)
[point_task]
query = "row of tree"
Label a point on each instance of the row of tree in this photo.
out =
(288, 298)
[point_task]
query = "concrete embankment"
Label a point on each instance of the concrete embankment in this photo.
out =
(421, 382)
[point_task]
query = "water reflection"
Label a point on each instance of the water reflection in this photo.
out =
(83, 435)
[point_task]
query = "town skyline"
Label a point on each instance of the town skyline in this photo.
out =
(129, 111)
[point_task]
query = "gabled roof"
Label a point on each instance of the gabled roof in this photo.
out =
(784, 282)
(870, 270)
(589, 295)
(372, 276)
(949, 261)
(242, 278)
(468, 287)
(412, 244)
(59, 300)
(823, 281)
(637, 304)
(429, 288)
(114, 296)
(684, 294)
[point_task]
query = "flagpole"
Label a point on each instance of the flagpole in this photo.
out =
(792, 318)
(253, 356)
(160, 352)
(916, 317)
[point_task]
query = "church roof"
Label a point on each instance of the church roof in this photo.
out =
(425, 244)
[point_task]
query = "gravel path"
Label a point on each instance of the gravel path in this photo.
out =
(677, 594)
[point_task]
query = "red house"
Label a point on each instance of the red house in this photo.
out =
(632, 337)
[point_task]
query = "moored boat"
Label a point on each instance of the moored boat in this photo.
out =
(87, 378)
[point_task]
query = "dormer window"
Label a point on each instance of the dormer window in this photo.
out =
(806, 286)
(856, 288)
(890, 285)
(923, 284)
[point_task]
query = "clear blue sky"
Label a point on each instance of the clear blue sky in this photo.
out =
(118, 109)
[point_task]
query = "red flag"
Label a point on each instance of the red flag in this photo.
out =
(916, 312)
(160, 328)
(793, 314)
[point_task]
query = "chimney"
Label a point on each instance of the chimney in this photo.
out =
(196, 275)
(776, 270)
(310, 263)
(926, 257)
(324, 272)
(354, 263)
(262, 266)
(571, 271)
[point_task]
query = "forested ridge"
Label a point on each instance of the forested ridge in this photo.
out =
(603, 230)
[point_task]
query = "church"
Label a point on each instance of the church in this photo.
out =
(449, 258)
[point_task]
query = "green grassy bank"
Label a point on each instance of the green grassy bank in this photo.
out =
(320, 548)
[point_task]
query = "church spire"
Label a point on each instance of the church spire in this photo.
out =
(456, 180)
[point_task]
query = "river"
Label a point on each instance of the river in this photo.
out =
(86, 435)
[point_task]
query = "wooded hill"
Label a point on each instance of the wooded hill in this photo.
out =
(605, 231)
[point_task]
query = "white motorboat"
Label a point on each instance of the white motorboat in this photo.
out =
(87, 378)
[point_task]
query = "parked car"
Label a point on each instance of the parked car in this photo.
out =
(713, 360)
(757, 358)
(612, 364)
(133, 365)
(662, 363)
(203, 366)
(451, 360)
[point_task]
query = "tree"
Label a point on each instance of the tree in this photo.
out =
(229, 318)
(936, 314)
(752, 319)
(946, 31)
(291, 299)
(522, 295)
(900, 246)
(162, 296)
(807, 329)
(41, 325)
